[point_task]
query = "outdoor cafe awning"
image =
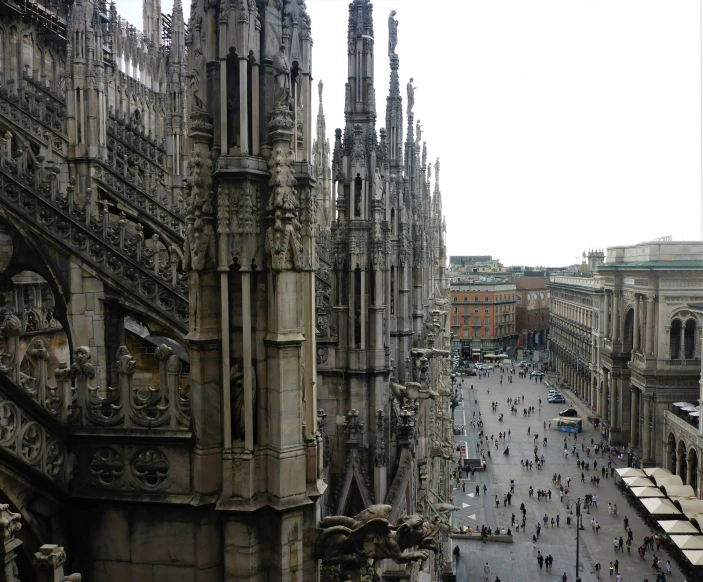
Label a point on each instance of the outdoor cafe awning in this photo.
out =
(638, 482)
(697, 413)
(630, 472)
(680, 404)
(502, 356)
(657, 471)
(689, 506)
(676, 491)
(660, 507)
(687, 542)
(689, 408)
(675, 526)
(667, 480)
(642, 492)
(694, 556)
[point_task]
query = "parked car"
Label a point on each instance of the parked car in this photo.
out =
(536, 373)
(569, 412)
(556, 400)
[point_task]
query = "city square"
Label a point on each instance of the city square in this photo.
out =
(514, 561)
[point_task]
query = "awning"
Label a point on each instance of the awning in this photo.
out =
(657, 471)
(667, 480)
(502, 356)
(678, 527)
(689, 408)
(630, 472)
(689, 506)
(687, 542)
(638, 482)
(697, 413)
(675, 491)
(680, 404)
(660, 507)
(643, 492)
(694, 556)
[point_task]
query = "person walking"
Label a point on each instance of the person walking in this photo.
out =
(478, 490)
(626, 522)
(564, 577)
(486, 570)
(618, 577)
(616, 545)
(668, 567)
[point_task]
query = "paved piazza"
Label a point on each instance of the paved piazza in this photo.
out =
(517, 561)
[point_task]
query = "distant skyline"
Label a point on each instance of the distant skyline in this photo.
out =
(561, 126)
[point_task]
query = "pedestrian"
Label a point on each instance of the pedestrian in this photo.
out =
(668, 567)
(626, 523)
(616, 545)
(618, 578)
(485, 488)
(478, 489)
(463, 487)
(487, 570)
(557, 520)
(620, 543)
(563, 578)
(534, 541)
(628, 545)
(611, 568)
(657, 541)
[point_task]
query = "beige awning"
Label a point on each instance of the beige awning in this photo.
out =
(638, 482)
(667, 480)
(677, 526)
(675, 491)
(656, 471)
(687, 542)
(630, 472)
(689, 506)
(643, 492)
(694, 556)
(659, 506)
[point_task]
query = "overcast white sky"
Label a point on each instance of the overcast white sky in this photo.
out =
(561, 125)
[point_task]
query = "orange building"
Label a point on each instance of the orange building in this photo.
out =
(482, 319)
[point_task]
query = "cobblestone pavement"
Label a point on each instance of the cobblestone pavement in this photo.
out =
(517, 561)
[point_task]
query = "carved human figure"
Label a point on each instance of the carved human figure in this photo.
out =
(392, 33)
(237, 397)
(195, 80)
(411, 96)
(377, 184)
(418, 131)
(436, 170)
(281, 73)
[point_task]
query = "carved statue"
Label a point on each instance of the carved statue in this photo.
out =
(195, 80)
(351, 542)
(281, 75)
(418, 132)
(445, 507)
(436, 171)
(392, 33)
(411, 391)
(237, 391)
(411, 96)
(377, 184)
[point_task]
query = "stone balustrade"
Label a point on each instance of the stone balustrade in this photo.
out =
(74, 400)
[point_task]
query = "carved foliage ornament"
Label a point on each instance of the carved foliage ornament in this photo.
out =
(148, 469)
(199, 250)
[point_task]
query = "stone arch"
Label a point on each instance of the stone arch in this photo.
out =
(675, 339)
(670, 459)
(681, 460)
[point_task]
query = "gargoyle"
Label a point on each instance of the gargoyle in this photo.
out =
(428, 353)
(353, 542)
(445, 507)
(411, 391)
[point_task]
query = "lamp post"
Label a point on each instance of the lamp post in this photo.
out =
(579, 527)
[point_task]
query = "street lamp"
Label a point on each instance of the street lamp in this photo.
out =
(579, 527)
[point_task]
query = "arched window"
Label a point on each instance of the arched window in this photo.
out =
(675, 340)
(689, 339)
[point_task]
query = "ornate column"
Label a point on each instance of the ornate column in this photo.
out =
(634, 416)
(636, 326)
(616, 316)
(650, 325)
(653, 431)
(646, 438)
(682, 345)
(614, 402)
